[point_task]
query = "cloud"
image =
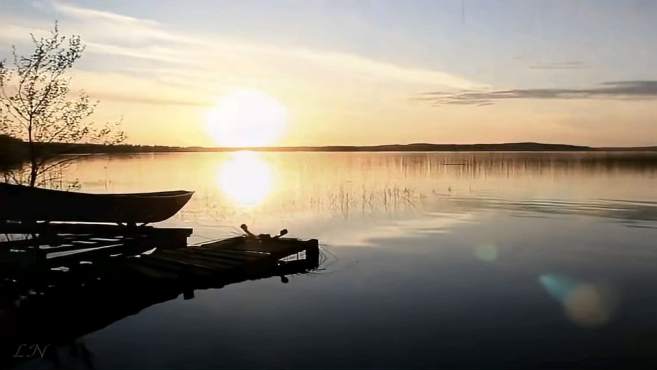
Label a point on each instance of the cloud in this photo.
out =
(151, 101)
(618, 90)
(136, 38)
(93, 14)
(12, 32)
(165, 65)
(147, 53)
(107, 25)
(576, 64)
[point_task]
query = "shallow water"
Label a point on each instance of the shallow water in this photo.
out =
(459, 260)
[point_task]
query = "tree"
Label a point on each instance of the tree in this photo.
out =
(37, 106)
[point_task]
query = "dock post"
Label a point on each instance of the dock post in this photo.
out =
(312, 253)
(171, 238)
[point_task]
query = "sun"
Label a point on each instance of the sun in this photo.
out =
(247, 118)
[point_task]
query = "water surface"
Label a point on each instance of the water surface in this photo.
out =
(459, 260)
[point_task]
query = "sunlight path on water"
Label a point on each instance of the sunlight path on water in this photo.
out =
(246, 179)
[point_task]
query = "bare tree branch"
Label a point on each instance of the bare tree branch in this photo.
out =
(36, 105)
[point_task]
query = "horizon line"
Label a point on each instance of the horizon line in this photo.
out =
(423, 146)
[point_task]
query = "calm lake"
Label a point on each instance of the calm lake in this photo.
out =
(453, 260)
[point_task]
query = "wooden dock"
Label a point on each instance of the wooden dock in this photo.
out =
(88, 276)
(226, 261)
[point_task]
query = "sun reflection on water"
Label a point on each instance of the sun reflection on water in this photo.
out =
(246, 178)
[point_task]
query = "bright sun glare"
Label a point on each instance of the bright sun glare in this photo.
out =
(247, 118)
(246, 178)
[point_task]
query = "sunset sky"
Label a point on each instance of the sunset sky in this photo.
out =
(363, 72)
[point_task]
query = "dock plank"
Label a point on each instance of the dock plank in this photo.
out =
(234, 255)
(210, 263)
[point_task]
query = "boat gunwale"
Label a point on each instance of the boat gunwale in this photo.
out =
(159, 194)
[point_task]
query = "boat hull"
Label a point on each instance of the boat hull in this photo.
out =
(22, 203)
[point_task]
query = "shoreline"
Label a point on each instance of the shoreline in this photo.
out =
(14, 151)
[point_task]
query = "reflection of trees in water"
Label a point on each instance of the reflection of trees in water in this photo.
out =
(476, 164)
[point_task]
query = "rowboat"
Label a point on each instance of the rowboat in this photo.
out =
(22, 203)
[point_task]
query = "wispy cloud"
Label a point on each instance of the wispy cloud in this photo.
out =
(104, 25)
(93, 14)
(147, 53)
(575, 64)
(149, 50)
(634, 90)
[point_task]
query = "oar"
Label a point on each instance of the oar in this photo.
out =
(247, 232)
(281, 233)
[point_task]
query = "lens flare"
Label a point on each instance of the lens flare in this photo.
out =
(486, 252)
(585, 304)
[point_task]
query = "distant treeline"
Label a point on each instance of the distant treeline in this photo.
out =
(426, 147)
(13, 150)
